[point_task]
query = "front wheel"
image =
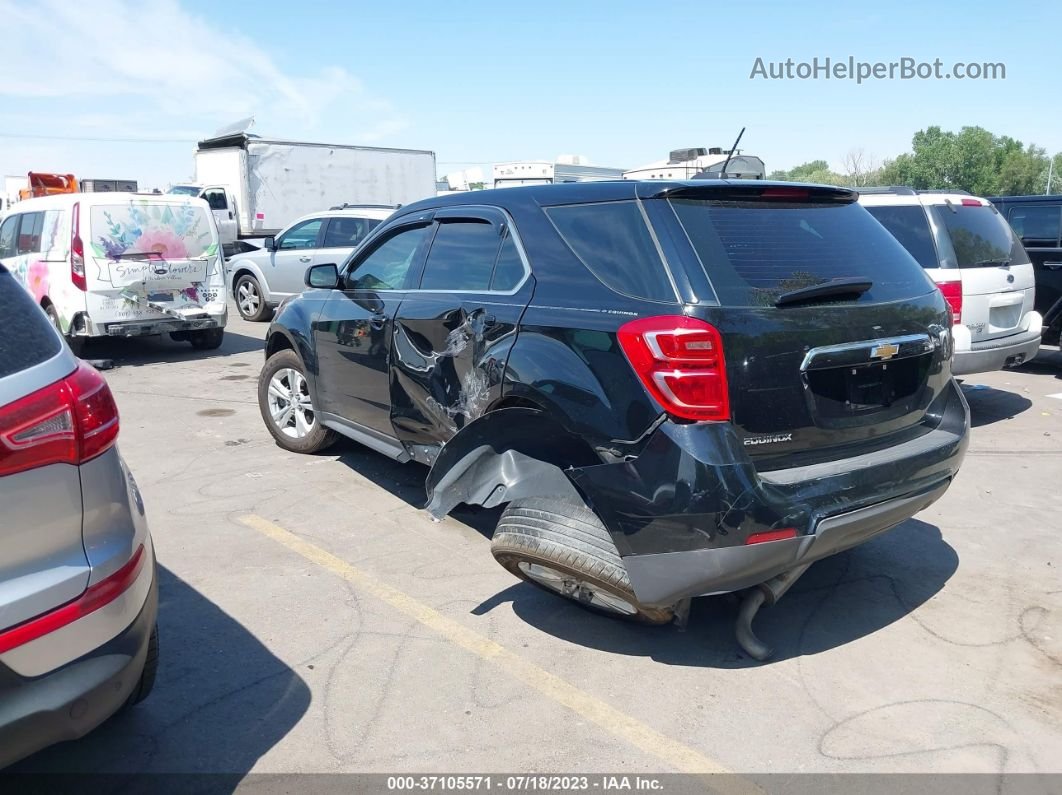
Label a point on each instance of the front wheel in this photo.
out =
(284, 400)
(249, 301)
(207, 340)
(565, 549)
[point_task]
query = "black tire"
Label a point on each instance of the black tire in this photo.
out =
(146, 682)
(76, 344)
(570, 540)
(319, 437)
(207, 340)
(252, 285)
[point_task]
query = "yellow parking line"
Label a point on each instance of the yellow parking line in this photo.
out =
(678, 756)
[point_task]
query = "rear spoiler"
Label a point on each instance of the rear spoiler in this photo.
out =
(744, 191)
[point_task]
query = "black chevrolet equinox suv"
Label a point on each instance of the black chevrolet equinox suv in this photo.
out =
(675, 388)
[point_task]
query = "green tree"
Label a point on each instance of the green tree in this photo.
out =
(814, 171)
(972, 159)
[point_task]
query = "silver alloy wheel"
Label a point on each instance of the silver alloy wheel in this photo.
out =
(247, 298)
(289, 403)
(574, 588)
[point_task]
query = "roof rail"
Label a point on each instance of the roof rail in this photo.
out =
(899, 190)
(345, 206)
(948, 190)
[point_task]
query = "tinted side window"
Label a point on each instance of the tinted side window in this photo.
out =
(613, 241)
(9, 236)
(753, 252)
(461, 256)
(1036, 223)
(348, 232)
(216, 199)
(29, 233)
(387, 267)
(28, 338)
(980, 236)
(510, 268)
(910, 226)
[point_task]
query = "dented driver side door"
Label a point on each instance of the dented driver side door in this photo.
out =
(453, 332)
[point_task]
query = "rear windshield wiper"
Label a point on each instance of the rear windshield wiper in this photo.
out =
(1001, 263)
(834, 288)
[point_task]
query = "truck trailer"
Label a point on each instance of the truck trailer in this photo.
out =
(256, 186)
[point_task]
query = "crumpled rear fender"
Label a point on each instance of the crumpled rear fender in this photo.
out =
(505, 455)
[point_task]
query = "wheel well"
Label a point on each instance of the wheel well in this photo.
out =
(278, 342)
(244, 271)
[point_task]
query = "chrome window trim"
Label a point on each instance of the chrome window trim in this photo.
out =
(929, 344)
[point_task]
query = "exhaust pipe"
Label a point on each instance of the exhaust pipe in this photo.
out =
(766, 593)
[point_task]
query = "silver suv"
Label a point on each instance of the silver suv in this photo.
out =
(261, 279)
(78, 592)
(968, 249)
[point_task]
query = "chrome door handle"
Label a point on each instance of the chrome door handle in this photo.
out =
(305, 259)
(378, 321)
(1053, 266)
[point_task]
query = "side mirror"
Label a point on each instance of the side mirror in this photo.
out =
(323, 276)
(269, 243)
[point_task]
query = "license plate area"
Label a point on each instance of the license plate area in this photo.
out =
(866, 389)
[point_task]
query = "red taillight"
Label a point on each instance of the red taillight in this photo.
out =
(69, 422)
(99, 595)
(785, 193)
(771, 535)
(952, 292)
(77, 250)
(679, 360)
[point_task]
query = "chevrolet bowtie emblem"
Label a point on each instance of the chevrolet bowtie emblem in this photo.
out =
(884, 351)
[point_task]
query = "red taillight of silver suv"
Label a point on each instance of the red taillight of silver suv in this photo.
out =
(68, 422)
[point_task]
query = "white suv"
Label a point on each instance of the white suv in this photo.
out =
(260, 279)
(969, 250)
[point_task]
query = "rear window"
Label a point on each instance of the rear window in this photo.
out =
(754, 252)
(144, 228)
(979, 236)
(28, 338)
(613, 241)
(910, 226)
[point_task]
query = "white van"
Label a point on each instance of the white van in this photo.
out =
(120, 265)
(985, 274)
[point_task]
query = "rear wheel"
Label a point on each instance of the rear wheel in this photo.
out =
(565, 549)
(77, 344)
(284, 400)
(249, 301)
(207, 340)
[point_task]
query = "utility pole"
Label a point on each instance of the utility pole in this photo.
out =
(1050, 173)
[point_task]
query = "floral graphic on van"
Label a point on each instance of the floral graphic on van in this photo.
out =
(162, 242)
(167, 230)
(37, 279)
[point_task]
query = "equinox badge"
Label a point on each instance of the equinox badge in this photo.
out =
(885, 351)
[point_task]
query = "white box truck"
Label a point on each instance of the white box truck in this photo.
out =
(257, 186)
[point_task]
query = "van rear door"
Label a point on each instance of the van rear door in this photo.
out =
(998, 285)
(152, 252)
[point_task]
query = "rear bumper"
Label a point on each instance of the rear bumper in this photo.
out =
(681, 512)
(986, 357)
(141, 328)
(36, 712)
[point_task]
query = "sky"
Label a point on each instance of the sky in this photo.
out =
(113, 89)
